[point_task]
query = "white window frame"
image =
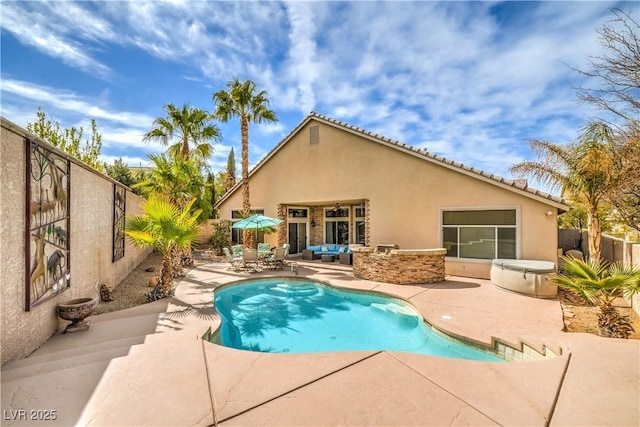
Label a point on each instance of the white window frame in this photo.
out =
(516, 208)
(300, 220)
(297, 218)
(346, 219)
(355, 221)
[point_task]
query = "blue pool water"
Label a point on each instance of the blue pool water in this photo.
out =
(284, 316)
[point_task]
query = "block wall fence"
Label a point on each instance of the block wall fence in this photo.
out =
(88, 235)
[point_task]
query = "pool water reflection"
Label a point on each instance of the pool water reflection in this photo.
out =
(292, 316)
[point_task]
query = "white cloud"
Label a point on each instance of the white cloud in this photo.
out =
(469, 80)
(302, 68)
(127, 160)
(68, 102)
(121, 131)
(48, 31)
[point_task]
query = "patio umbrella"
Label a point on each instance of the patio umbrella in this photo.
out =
(256, 221)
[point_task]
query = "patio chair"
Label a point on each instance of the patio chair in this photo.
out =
(264, 247)
(276, 261)
(236, 262)
(250, 259)
(286, 260)
(236, 250)
(286, 247)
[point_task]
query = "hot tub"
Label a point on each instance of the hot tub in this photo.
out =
(527, 277)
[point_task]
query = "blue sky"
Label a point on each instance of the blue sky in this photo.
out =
(471, 81)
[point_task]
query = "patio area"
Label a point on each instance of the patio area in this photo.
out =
(148, 366)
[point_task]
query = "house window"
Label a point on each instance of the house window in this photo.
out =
(298, 213)
(480, 234)
(358, 222)
(336, 213)
(337, 226)
(236, 233)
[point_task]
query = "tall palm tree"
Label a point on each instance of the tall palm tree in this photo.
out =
(242, 100)
(166, 227)
(586, 172)
(190, 126)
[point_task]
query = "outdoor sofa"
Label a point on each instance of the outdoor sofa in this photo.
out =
(315, 252)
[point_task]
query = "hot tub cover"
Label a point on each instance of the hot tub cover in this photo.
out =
(525, 265)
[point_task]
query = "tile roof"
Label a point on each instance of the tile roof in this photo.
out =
(517, 185)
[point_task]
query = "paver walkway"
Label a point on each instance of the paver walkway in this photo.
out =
(148, 366)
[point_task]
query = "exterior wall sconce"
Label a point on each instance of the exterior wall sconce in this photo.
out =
(313, 223)
(549, 213)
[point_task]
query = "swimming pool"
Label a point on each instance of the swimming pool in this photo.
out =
(291, 316)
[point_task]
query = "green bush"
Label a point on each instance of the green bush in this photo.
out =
(221, 236)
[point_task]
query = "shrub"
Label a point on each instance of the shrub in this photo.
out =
(221, 236)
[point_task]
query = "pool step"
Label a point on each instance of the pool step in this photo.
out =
(396, 309)
(295, 290)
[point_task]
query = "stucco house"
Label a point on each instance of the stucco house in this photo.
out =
(335, 183)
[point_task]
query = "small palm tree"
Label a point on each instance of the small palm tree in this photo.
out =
(600, 284)
(190, 126)
(166, 227)
(241, 100)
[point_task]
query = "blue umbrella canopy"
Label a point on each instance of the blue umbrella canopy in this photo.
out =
(256, 221)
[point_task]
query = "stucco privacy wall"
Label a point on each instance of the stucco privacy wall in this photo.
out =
(406, 193)
(91, 210)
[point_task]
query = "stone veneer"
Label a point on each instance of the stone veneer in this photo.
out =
(399, 266)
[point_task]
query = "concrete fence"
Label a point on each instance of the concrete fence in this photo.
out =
(59, 238)
(612, 249)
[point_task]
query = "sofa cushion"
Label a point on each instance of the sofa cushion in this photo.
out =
(330, 249)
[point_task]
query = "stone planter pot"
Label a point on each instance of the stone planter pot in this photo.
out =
(77, 310)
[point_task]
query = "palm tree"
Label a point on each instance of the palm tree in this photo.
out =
(241, 100)
(177, 179)
(586, 172)
(166, 227)
(180, 181)
(190, 126)
(600, 285)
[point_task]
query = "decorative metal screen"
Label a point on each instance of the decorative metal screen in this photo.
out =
(48, 270)
(119, 211)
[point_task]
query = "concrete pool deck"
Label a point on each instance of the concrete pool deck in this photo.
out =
(148, 366)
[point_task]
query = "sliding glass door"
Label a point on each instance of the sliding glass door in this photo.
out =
(297, 237)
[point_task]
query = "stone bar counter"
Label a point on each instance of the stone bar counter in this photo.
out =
(399, 266)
